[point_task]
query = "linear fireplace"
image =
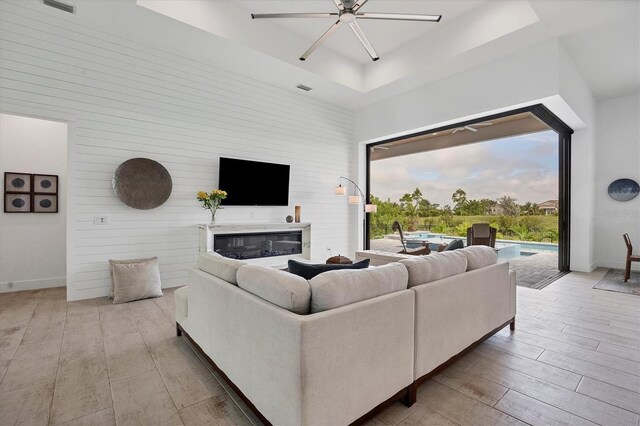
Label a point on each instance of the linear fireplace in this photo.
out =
(258, 244)
(268, 244)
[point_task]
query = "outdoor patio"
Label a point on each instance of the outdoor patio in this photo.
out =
(531, 271)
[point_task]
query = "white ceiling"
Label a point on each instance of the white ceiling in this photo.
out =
(601, 36)
(385, 36)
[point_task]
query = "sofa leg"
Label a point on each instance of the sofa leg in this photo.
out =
(178, 330)
(512, 324)
(409, 397)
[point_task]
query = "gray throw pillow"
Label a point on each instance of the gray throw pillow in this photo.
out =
(127, 261)
(135, 279)
(310, 270)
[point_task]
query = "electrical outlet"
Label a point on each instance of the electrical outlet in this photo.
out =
(101, 220)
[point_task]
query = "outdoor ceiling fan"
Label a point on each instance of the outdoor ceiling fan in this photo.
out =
(470, 127)
(349, 13)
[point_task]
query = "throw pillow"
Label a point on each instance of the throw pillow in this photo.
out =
(135, 279)
(112, 262)
(310, 270)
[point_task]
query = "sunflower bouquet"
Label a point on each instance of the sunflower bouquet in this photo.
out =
(211, 201)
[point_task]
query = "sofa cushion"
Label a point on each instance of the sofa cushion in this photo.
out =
(436, 266)
(337, 288)
(479, 256)
(219, 266)
(281, 288)
(310, 270)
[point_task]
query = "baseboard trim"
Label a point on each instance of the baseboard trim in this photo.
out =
(10, 286)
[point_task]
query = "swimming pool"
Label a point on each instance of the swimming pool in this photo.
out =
(508, 249)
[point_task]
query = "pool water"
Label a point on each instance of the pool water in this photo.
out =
(508, 249)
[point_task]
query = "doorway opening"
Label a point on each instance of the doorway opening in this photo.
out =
(510, 171)
(33, 223)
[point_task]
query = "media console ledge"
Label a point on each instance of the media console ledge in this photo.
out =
(267, 244)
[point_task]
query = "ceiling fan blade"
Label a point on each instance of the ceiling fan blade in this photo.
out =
(359, 4)
(293, 15)
(318, 42)
(398, 16)
(363, 39)
(339, 4)
(470, 128)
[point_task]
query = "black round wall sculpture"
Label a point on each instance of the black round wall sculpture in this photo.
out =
(623, 189)
(142, 183)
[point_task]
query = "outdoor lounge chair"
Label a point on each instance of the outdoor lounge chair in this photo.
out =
(481, 234)
(417, 252)
(630, 257)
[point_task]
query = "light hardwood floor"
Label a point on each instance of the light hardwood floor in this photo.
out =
(573, 359)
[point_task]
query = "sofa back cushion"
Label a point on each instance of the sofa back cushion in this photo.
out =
(479, 257)
(436, 266)
(281, 288)
(337, 288)
(310, 270)
(219, 266)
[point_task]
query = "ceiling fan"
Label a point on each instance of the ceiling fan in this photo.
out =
(470, 127)
(349, 13)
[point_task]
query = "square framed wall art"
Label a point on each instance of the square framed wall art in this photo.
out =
(17, 203)
(17, 182)
(45, 184)
(45, 203)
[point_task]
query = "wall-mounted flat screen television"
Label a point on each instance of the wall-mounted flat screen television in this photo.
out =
(253, 183)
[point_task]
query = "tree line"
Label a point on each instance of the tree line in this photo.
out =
(526, 222)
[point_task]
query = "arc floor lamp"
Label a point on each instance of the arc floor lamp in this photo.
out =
(357, 198)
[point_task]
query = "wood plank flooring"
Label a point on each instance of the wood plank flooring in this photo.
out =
(573, 359)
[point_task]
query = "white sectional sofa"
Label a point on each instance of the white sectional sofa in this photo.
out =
(334, 349)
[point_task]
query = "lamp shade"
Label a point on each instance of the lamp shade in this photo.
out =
(370, 208)
(354, 199)
(340, 190)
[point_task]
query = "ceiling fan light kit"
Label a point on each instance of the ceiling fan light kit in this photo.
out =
(348, 13)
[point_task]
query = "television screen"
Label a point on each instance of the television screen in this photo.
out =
(253, 183)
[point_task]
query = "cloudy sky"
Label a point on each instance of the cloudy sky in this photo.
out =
(523, 167)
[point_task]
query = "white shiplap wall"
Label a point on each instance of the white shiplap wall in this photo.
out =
(126, 98)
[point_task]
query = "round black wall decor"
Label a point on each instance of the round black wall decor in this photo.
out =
(142, 183)
(623, 189)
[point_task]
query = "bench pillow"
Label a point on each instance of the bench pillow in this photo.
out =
(337, 288)
(436, 266)
(219, 266)
(310, 270)
(281, 288)
(479, 257)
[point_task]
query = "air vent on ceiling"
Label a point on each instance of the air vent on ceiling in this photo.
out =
(303, 87)
(59, 5)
